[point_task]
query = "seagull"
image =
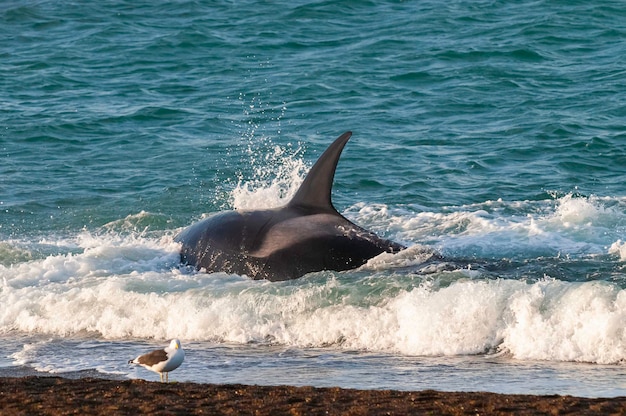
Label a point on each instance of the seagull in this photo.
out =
(162, 361)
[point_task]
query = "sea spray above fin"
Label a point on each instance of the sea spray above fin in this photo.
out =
(273, 183)
(306, 235)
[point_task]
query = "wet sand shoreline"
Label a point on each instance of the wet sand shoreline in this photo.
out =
(36, 395)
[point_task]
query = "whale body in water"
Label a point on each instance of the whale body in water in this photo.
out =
(306, 235)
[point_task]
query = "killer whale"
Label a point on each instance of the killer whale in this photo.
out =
(306, 235)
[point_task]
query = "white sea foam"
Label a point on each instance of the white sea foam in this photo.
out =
(126, 283)
(619, 248)
(569, 322)
(415, 255)
(496, 229)
(548, 320)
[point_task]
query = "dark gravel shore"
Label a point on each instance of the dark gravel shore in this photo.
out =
(61, 396)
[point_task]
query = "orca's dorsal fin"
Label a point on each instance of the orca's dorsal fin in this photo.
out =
(314, 193)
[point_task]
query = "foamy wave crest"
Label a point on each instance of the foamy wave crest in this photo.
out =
(569, 322)
(71, 292)
(619, 248)
(568, 225)
(546, 320)
(572, 212)
(274, 181)
(93, 256)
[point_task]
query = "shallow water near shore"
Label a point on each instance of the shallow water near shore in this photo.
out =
(327, 367)
(491, 133)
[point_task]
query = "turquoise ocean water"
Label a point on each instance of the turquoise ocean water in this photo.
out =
(491, 131)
